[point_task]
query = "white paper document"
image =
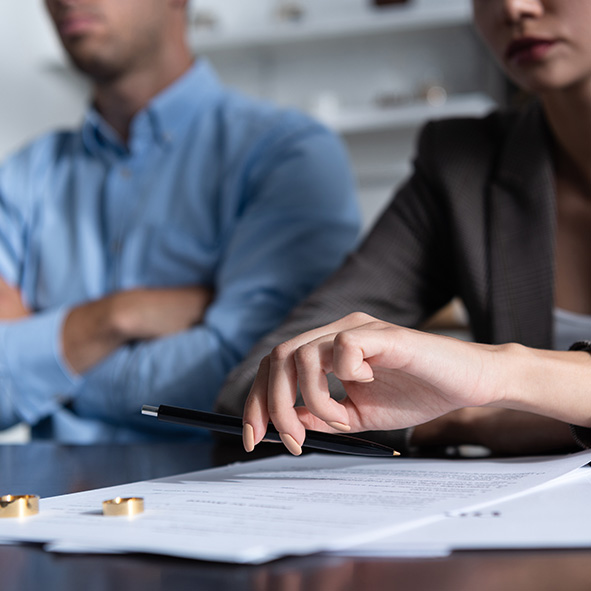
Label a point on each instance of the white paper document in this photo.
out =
(554, 515)
(258, 511)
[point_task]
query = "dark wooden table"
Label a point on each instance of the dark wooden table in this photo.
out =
(49, 469)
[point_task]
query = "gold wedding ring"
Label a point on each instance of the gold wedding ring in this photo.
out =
(19, 505)
(123, 507)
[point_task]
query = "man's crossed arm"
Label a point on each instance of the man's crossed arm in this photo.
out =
(95, 329)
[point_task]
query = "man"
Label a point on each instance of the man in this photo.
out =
(143, 254)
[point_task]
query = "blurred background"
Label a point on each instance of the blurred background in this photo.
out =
(372, 70)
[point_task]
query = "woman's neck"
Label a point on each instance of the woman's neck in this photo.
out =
(569, 117)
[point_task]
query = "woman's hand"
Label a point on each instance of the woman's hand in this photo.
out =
(394, 378)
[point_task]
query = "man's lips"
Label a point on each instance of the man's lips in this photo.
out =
(76, 24)
(528, 49)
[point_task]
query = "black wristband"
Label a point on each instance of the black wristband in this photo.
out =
(581, 346)
(582, 435)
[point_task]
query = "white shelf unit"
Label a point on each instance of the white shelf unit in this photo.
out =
(363, 71)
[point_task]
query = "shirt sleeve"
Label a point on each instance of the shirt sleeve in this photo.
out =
(298, 220)
(33, 379)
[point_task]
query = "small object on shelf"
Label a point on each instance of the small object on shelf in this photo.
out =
(326, 106)
(289, 12)
(391, 89)
(205, 21)
(435, 95)
(380, 3)
(389, 100)
(432, 88)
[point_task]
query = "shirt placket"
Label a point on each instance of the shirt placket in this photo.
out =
(120, 198)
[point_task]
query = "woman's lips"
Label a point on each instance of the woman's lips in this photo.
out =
(528, 49)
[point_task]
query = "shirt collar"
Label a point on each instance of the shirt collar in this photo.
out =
(164, 119)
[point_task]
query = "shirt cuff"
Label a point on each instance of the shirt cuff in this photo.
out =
(32, 350)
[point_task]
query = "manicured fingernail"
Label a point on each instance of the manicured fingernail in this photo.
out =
(338, 426)
(292, 445)
(367, 381)
(248, 437)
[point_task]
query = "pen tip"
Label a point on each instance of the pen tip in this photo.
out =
(151, 411)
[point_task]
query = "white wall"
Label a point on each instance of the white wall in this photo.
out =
(37, 92)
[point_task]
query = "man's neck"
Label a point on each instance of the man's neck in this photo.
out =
(119, 100)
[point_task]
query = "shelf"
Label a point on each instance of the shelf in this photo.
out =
(368, 120)
(405, 18)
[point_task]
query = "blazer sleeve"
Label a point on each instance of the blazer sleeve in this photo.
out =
(401, 274)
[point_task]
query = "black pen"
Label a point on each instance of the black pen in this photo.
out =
(233, 425)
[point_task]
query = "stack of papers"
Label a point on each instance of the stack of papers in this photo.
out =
(258, 511)
(551, 516)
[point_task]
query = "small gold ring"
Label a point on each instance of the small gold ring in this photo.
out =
(123, 507)
(19, 505)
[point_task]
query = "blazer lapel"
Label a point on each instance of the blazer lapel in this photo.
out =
(521, 233)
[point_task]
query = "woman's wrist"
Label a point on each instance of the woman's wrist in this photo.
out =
(512, 372)
(504, 375)
(549, 383)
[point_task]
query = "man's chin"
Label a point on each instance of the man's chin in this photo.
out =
(93, 66)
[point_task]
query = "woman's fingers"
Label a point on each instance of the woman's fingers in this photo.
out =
(282, 391)
(352, 349)
(313, 361)
(256, 416)
(308, 365)
(307, 359)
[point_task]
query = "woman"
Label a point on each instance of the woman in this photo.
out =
(497, 212)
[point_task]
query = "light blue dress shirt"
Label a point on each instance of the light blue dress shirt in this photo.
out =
(213, 188)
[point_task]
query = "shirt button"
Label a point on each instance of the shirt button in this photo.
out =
(125, 173)
(116, 247)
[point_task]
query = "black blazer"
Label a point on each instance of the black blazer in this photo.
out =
(475, 220)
